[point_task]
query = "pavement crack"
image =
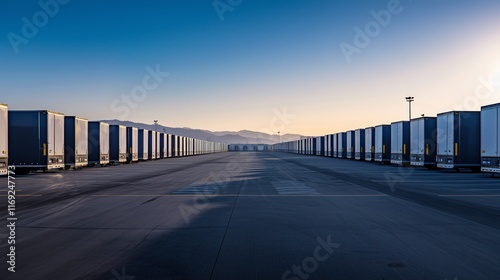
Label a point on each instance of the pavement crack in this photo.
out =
(147, 235)
(225, 234)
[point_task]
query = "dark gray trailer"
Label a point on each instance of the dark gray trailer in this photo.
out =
(459, 140)
(158, 142)
(359, 144)
(332, 143)
(383, 143)
(316, 146)
(181, 146)
(189, 146)
(342, 145)
(36, 140)
(76, 153)
(335, 145)
(4, 139)
(175, 146)
(163, 145)
(351, 142)
(328, 145)
(170, 145)
(320, 146)
(132, 144)
(143, 144)
(323, 146)
(400, 143)
(423, 134)
(369, 143)
(117, 143)
(98, 139)
(490, 138)
(184, 146)
(152, 145)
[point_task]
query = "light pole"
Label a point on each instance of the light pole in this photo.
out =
(279, 137)
(409, 99)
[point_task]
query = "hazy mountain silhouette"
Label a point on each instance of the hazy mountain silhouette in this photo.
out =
(229, 137)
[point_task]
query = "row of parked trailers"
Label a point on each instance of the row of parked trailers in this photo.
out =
(452, 140)
(45, 140)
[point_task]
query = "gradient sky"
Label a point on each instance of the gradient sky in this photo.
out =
(264, 56)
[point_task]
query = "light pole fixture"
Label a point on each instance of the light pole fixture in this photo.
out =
(409, 99)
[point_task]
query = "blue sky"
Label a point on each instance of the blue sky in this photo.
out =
(263, 57)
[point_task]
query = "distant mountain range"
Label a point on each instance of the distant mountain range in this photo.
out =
(229, 137)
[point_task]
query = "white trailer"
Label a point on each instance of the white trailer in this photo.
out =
(490, 138)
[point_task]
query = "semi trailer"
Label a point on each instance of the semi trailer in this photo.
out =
(400, 143)
(490, 138)
(369, 143)
(36, 140)
(132, 144)
(459, 140)
(383, 143)
(359, 144)
(117, 143)
(98, 143)
(143, 144)
(423, 134)
(76, 152)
